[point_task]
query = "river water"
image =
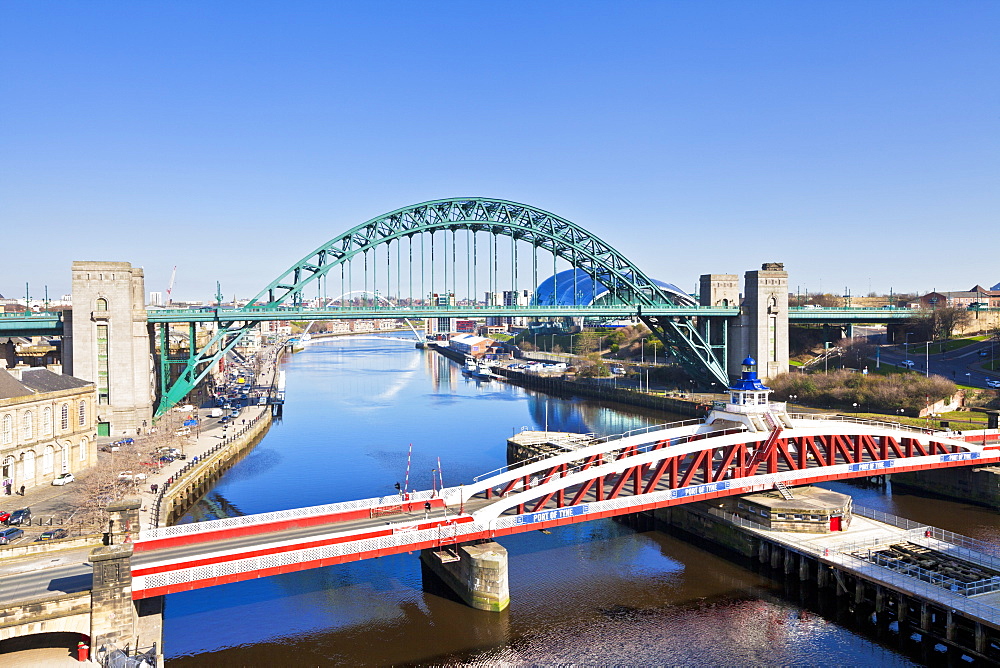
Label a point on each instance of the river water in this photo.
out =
(596, 593)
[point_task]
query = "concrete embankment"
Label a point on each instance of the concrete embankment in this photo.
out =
(968, 483)
(196, 477)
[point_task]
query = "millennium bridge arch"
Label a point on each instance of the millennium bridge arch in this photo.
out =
(625, 283)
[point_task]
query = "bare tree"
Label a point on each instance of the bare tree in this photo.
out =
(856, 352)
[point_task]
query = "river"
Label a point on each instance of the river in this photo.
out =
(595, 593)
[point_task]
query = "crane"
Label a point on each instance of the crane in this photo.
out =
(170, 287)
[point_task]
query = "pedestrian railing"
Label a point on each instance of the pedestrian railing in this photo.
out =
(177, 477)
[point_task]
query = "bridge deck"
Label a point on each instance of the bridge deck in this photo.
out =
(571, 487)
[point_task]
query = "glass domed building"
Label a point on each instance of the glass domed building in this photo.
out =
(574, 287)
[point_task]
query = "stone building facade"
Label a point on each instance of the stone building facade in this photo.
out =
(47, 425)
(109, 344)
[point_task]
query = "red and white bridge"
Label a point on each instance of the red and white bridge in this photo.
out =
(653, 468)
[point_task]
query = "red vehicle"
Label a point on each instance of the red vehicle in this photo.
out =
(4, 516)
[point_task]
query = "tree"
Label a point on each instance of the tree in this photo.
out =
(856, 352)
(947, 320)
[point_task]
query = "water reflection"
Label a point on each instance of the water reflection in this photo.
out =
(593, 593)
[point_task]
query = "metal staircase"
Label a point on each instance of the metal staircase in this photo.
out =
(783, 490)
(763, 452)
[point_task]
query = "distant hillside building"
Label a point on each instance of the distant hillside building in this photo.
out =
(962, 299)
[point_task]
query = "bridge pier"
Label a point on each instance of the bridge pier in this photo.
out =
(112, 615)
(476, 573)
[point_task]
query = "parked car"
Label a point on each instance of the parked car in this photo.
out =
(4, 516)
(111, 447)
(64, 479)
(129, 476)
(907, 364)
(992, 383)
(10, 534)
(22, 516)
(54, 534)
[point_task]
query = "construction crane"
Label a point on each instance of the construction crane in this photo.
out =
(170, 287)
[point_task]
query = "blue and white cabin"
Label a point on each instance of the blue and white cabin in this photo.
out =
(748, 403)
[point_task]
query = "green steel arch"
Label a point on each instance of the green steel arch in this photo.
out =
(519, 221)
(558, 236)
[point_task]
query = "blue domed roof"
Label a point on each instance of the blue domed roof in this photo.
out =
(748, 380)
(576, 287)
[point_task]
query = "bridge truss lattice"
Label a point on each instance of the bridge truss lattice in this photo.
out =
(523, 225)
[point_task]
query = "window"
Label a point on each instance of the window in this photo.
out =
(780, 516)
(764, 513)
(47, 421)
(83, 413)
(27, 426)
(48, 459)
(7, 429)
(29, 465)
(797, 516)
(102, 304)
(84, 444)
(103, 373)
(64, 417)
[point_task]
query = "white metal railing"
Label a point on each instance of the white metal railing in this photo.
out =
(281, 515)
(401, 539)
(843, 556)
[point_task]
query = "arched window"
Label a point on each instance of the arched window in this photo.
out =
(82, 409)
(7, 429)
(46, 421)
(48, 459)
(27, 426)
(64, 417)
(29, 465)
(84, 444)
(102, 304)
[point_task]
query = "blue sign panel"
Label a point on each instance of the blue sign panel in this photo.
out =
(871, 466)
(700, 489)
(549, 515)
(190, 423)
(960, 456)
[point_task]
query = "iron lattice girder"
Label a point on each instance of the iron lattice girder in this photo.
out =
(740, 460)
(694, 353)
(518, 221)
(499, 217)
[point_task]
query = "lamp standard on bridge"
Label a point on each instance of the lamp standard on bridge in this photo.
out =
(906, 346)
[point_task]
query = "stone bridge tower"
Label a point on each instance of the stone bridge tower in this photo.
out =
(760, 330)
(108, 342)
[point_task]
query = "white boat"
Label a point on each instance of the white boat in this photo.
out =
(477, 368)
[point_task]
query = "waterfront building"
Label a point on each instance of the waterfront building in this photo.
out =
(47, 424)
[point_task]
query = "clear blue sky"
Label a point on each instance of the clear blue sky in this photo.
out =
(855, 141)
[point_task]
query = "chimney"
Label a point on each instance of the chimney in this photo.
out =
(54, 368)
(16, 371)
